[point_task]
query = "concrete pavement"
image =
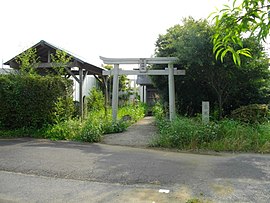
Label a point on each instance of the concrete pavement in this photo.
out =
(45, 171)
(139, 134)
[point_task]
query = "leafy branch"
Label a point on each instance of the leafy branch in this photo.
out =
(232, 24)
(59, 61)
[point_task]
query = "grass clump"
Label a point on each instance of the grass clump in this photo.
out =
(226, 135)
(91, 129)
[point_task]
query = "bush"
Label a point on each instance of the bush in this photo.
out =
(114, 126)
(254, 113)
(226, 135)
(158, 111)
(92, 130)
(23, 132)
(135, 111)
(28, 101)
(95, 100)
(65, 130)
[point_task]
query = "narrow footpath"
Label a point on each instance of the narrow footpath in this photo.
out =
(139, 134)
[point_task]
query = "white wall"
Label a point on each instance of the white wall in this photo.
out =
(142, 93)
(88, 84)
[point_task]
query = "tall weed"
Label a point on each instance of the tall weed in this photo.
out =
(96, 124)
(225, 135)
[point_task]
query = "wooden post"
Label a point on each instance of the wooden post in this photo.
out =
(49, 56)
(81, 91)
(171, 92)
(115, 91)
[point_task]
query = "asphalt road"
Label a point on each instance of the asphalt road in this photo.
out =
(46, 171)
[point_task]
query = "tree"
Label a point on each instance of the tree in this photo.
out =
(251, 17)
(206, 78)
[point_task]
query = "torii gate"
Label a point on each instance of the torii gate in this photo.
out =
(170, 71)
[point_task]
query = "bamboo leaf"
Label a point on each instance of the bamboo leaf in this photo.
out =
(218, 52)
(223, 55)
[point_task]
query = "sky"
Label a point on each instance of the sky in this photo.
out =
(93, 28)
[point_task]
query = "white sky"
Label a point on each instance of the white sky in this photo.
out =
(93, 28)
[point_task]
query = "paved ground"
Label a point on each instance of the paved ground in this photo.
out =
(137, 135)
(46, 171)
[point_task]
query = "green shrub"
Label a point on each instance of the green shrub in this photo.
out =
(225, 135)
(92, 130)
(95, 100)
(254, 113)
(65, 130)
(158, 111)
(28, 101)
(114, 127)
(22, 132)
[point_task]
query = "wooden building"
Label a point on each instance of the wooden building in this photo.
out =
(77, 68)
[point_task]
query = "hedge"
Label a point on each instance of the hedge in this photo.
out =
(28, 101)
(253, 113)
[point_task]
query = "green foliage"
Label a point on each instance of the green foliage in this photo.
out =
(114, 126)
(158, 111)
(124, 83)
(224, 85)
(250, 17)
(226, 135)
(136, 112)
(59, 61)
(254, 113)
(22, 132)
(29, 101)
(64, 130)
(28, 61)
(95, 100)
(90, 130)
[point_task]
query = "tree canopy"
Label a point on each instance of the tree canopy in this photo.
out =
(225, 85)
(233, 23)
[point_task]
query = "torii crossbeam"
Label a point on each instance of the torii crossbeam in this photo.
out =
(170, 71)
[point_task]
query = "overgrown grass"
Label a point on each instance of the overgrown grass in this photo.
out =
(90, 130)
(226, 135)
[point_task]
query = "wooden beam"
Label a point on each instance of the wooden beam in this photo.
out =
(156, 60)
(149, 72)
(50, 65)
(73, 75)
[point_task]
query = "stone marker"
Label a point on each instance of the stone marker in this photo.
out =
(205, 112)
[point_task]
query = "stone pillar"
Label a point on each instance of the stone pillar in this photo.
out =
(171, 92)
(205, 112)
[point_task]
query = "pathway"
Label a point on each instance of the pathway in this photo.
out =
(138, 135)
